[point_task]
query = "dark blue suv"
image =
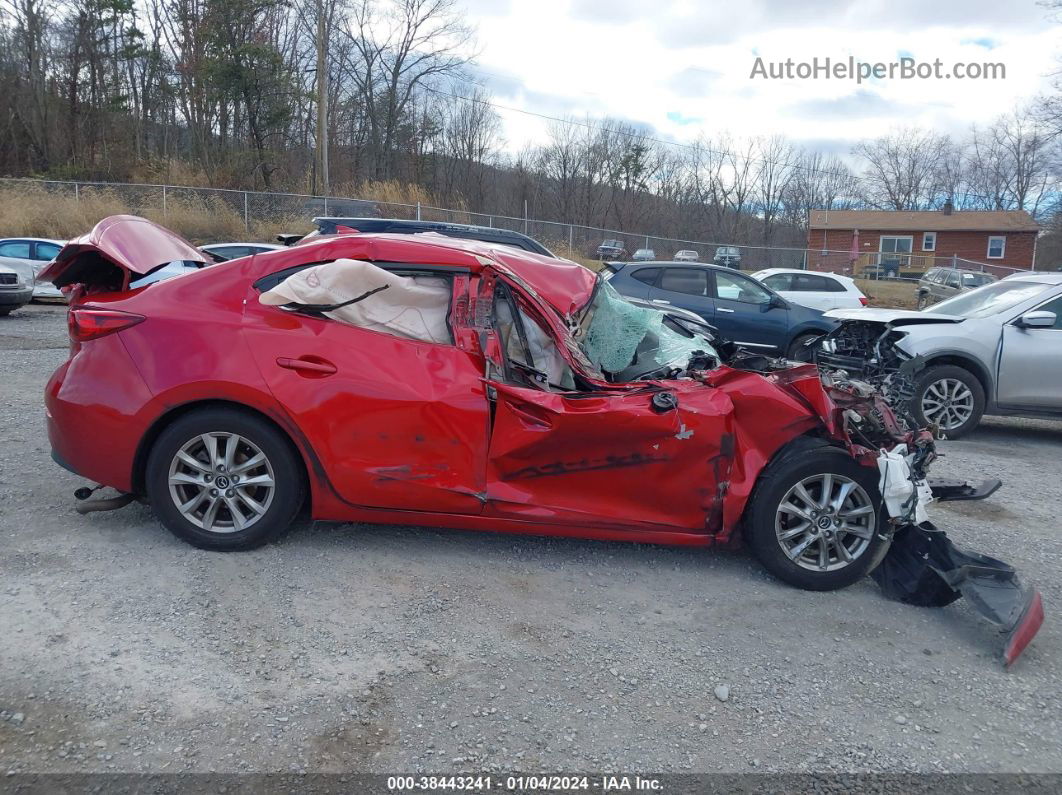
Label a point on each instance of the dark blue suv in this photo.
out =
(743, 310)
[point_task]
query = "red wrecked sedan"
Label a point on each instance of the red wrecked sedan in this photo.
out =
(420, 379)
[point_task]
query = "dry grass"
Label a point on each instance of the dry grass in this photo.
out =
(400, 199)
(36, 212)
(890, 293)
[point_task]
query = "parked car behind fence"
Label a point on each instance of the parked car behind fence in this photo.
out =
(611, 249)
(728, 257)
(940, 284)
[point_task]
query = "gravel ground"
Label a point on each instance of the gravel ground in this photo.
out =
(404, 649)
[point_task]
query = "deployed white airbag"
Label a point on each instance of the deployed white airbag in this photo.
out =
(414, 307)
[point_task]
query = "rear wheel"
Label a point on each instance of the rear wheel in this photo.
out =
(815, 519)
(225, 480)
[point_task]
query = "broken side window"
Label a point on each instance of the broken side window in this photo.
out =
(413, 305)
(531, 355)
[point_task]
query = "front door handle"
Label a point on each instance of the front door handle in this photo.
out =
(661, 301)
(307, 365)
(723, 309)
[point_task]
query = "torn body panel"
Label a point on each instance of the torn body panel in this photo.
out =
(617, 458)
(924, 568)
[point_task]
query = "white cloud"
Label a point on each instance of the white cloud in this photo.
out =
(682, 68)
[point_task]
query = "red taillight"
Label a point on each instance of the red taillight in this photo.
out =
(1027, 627)
(863, 300)
(90, 324)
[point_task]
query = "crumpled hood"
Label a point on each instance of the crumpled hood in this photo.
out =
(897, 317)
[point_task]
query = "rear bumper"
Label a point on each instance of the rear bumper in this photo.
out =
(94, 412)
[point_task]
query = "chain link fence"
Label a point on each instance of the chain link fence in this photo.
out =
(250, 215)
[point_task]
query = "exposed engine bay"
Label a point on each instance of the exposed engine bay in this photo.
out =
(866, 350)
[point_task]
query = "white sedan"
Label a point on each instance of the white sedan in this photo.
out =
(27, 256)
(812, 289)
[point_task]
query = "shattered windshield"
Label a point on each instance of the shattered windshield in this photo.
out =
(628, 342)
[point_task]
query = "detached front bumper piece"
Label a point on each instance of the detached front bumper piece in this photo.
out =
(946, 489)
(925, 569)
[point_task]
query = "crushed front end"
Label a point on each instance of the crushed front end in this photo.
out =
(860, 360)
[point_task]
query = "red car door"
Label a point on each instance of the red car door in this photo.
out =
(396, 423)
(608, 458)
(630, 457)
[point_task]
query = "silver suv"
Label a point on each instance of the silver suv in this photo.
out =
(993, 350)
(940, 284)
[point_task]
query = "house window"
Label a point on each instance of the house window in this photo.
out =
(929, 241)
(997, 246)
(895, 253)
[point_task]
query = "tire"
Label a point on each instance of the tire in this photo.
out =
(797, 351)
(774, 534)
(967, 401)
(923, 301)
(239, 516)
(7, 310)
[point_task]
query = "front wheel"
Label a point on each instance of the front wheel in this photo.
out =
(816, 520)
(923, 301)
(224, 480)
(949, 397)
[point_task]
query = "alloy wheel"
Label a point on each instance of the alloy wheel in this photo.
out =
(221, 482)
(948, 403)
(825, 522)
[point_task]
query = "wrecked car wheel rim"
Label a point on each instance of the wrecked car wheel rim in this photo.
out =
(825, 522)
(947, 403)
(221, 482)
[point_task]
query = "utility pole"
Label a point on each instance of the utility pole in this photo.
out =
(322, 99)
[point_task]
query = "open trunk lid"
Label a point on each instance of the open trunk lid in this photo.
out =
(117, 251)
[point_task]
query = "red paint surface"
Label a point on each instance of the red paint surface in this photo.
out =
(393, 430)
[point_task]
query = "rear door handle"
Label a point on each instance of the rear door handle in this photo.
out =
(306, 365)
(723, 309)
(661, 301)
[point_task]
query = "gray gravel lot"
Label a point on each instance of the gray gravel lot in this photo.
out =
(405, 649)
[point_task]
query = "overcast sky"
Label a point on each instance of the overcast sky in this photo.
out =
(682, 68)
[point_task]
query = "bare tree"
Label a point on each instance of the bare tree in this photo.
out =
(400, 46)
(904, 168)
(775, 167)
